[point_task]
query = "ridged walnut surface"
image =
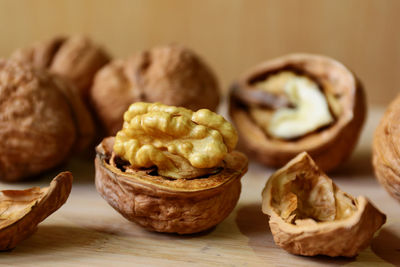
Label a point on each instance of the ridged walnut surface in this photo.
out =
(386, 150)
(76, 58)
(172, 75)
(176, 206)
(38, 127)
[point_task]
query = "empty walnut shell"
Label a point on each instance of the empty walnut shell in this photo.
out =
(171, 74)
(310, 215)
(160, 204)
(76, 58)
(386, 150)
(42, 120)
(330, 145)
(22, 210)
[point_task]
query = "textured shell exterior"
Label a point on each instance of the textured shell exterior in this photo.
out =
(386, 150)
(38, 129)
(171, 74)
(76, 58)
(167, 209)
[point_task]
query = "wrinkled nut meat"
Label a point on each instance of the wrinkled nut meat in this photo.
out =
(170, 137)
(171, 169)
(76, 58)
(386, 150)
(298, 103)
(310, 215)
(172, 75)
(22, 210)
(42, 120)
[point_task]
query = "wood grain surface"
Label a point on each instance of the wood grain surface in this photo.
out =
(86, 231)
(232, 35)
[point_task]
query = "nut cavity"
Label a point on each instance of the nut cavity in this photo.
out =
(296, 103)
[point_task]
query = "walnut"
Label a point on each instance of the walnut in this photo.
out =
(22, 210)
(171, 74)
(42, 120)
(296, 103)
(386, 150)
(76, 58)
(171, 169)
(310, 215)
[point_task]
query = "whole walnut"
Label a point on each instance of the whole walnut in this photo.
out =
(386, 149)
(171, 74)
(76, 58)
(42, 120)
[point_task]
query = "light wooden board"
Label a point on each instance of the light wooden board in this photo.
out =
(86, 231)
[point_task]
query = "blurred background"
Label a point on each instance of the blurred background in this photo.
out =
(231, 35)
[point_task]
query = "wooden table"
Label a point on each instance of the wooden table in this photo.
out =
(87, 231)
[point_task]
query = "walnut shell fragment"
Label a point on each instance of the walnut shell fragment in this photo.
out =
(160, 204)
(386, 150)
(22, 210)
(310, 215)
(329, 118)
(42, 121)
(171, 74)
(76, 58)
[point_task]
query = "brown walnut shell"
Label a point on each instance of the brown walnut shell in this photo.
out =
(76, 58)
(172, 75)
(22, 210)
(329, 146)
(160, 204)
(86, 129)
(386, 150)
(39, 121)
(310, 215)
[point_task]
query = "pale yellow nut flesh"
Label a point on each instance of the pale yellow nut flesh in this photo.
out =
(309, 111)
(171, 138)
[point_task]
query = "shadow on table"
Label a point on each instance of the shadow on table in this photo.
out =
(359, 164)
(387, 245)
(58, 237)
(254, 224)
(122, 227)
(324, 260)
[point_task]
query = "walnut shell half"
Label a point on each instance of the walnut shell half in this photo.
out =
(22, 210)
(386, 150)
(160, 204)
(329, 144)
(171, 74)
(310, 215)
